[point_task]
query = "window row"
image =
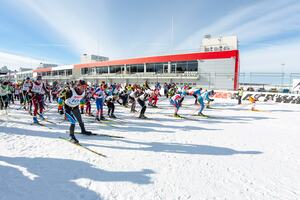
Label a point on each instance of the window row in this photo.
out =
(158, 68)
(67, 72)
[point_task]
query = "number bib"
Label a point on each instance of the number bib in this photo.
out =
(37, 88)
(26, 86)
(74, 100)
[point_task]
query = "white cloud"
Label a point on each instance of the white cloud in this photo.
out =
(271, 58)
(252, 23)
(14, 61)
(76, 21)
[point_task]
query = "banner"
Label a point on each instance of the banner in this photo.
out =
(261, 96)
(296, 85)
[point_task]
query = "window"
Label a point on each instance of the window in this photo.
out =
(85, 71)
(181, 67)
(69, 72)
(132, 69)
(116, 69)
(61, 73)
(102, 70)
(150, 67)
(184, 66)
(192, 66)
(155, 67)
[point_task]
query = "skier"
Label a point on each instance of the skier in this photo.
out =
(253, 103)
(201, 98)
(36, 92)
(4, 98)
(132, 97)
(240, 95)
(142, 98)
(88, 98)
(25, 97)
(82, 104)
(99, 97)
(195, 93)
(110, 102)
(72, 99)
(176, 101)
(154, 98)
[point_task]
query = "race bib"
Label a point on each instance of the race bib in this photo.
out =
(73, 101)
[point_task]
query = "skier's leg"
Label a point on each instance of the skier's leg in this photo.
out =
(201, 102)
(72, 120)
(78, 118)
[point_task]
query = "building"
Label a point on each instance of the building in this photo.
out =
(216, 66)
(218, 70)
(88, 58)
(227, 43)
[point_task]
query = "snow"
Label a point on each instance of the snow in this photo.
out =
(235, 154)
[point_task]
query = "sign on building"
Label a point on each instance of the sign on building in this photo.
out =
(296, 85)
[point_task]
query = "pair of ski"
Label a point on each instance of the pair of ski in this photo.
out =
(83, 147)
(40, 124)
(189, 118)
(87, 148)
(101, 135)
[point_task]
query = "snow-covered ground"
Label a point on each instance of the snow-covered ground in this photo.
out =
(234, 154)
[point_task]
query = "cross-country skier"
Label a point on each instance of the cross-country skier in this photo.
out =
(154, 97)
(72, 99)
(36, 92)
(205, 96)
(99, 97)
(142, 98)
(253, 103)
(136, 90)
(176, 101)
(4, 98)
(110, 99)
(26, 99)
(195, 93)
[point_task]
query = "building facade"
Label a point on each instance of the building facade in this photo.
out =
(215, 66)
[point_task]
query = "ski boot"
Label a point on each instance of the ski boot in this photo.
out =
(176, 115)
(142, 117)
(73, 139)
(102, 117)
(86, 133)
(35, 120)
(112, 116)
(42, 116)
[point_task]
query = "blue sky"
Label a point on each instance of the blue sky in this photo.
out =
(58, 31)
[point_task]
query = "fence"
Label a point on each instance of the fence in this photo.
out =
(282, 82)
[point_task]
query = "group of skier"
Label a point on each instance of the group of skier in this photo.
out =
(76, 98)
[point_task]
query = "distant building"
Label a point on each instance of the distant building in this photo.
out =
(227, 43)
(22, 69)
(89, 58)
(4, 70)
(46, 65)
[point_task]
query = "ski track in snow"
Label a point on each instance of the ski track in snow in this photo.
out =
(235, 154)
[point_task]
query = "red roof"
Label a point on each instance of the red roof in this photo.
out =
(166, 58)
(48, 69)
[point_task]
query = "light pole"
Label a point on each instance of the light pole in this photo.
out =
(282, 74)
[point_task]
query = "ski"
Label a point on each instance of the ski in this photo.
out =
(84, 147)
(182, 117)
(101, 135)
(203, 116)
(214, 108)
(46, 120)
(39, 124)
